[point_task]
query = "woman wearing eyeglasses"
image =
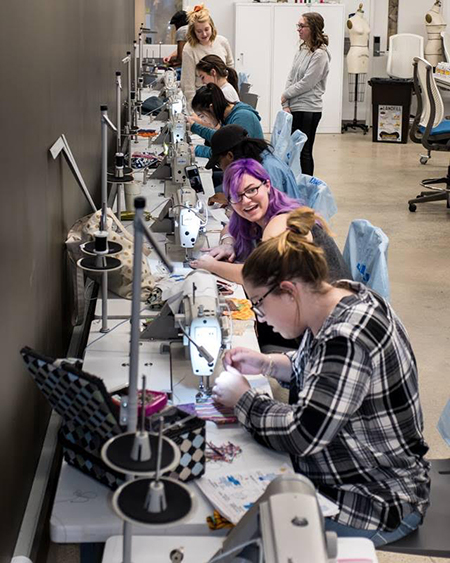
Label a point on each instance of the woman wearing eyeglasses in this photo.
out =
(260, 211)
(354, 423)
(306, 83)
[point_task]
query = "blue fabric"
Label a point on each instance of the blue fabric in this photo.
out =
(281, 176)
(444, 423)
(365, 253)
(441, 129)
(408, 525)
(317, 195)
(243, 115)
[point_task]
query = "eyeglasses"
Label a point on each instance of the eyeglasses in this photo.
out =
(256, 305)
(248, 193)
(301, 26)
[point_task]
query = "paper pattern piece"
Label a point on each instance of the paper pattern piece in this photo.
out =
(232, 494)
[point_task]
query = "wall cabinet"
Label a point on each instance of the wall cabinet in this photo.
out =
(266, 40)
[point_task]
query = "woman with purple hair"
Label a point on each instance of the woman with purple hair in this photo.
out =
(259, 212)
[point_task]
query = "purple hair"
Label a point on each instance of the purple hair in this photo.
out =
(244, 232)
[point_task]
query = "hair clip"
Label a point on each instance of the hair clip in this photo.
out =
(198, 7)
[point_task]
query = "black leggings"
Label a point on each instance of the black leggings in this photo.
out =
(307, 122)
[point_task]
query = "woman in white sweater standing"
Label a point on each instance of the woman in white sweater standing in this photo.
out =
(202, 40)
(306, 83)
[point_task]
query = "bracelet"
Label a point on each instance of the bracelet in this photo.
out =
(269, 372)
(225, 236)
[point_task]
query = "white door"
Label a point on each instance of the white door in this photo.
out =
(286, 42)
(254, 53)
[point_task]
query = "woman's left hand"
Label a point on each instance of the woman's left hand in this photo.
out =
(229, 388)
(283, 99)
(204, 262)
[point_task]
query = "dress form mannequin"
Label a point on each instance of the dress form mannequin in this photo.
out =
(358, 55)
(435, 23)
(357, 63)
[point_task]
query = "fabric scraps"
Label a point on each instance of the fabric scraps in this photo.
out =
(209, 410)
(225, 452)
(240, 309)
(217, 522)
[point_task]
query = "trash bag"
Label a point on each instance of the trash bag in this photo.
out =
(317, 195)
(444, 423)
(295, 147)
(365, 252)
(281, 134)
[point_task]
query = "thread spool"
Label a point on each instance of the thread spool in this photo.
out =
(101, 242)
(119, 164)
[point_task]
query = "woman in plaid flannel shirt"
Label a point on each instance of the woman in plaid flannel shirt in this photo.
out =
(354, 422)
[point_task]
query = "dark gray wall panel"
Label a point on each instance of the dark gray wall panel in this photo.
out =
(57, 65)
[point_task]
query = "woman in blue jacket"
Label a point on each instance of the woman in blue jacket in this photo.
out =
(210, 104)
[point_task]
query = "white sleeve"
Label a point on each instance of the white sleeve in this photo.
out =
(187, 82)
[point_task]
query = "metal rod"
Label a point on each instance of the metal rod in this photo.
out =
(141, 53)
(159, 454)
(127, 529)
(139, 204)
(104, 302)
(143, 397)
(129, 88)
(119, 200)
(119, 110)
(135, 54)
(104, 116)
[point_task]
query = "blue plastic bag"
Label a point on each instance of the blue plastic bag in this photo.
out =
(317, 195)
(292, 158)
(281, 134)
(365, 253)
(444, 423)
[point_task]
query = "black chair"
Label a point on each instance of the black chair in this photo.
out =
(432, 538)
(430, 129)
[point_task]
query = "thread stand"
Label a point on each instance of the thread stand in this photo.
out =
(356, 94)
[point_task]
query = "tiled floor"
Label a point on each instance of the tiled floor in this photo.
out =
(374, 181)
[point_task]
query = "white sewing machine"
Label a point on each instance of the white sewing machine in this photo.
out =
(284, 525)
(193, 307)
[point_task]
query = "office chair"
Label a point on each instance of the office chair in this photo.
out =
(432, 538)
(403, 47)
(430, 129)
(446, 45)
(365, 253)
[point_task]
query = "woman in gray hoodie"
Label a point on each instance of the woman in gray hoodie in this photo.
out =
(306, 82)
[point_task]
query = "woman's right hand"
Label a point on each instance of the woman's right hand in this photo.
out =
(222, 252)
(246, 361)
(166, 60)
(287, 109)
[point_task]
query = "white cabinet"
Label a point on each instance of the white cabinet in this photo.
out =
(266, 42)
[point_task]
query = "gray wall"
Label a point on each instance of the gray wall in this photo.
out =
(57, 65)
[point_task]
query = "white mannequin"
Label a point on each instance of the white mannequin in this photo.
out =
(358, 55)
(435, 23)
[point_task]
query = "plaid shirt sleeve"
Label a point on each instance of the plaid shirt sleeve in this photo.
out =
(337, 383)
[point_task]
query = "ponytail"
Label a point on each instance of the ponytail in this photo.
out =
(290, 255)
(213, 62)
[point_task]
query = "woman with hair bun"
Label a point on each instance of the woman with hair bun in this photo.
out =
(202, 39)
(354, 423)
(306, 83)
(212, 69)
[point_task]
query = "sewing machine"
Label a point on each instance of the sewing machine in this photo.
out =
(193, 307)
(284, 525)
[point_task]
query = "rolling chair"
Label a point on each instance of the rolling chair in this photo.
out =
(365, 253)
(446, 45)
(403, 47)
(430, 129)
